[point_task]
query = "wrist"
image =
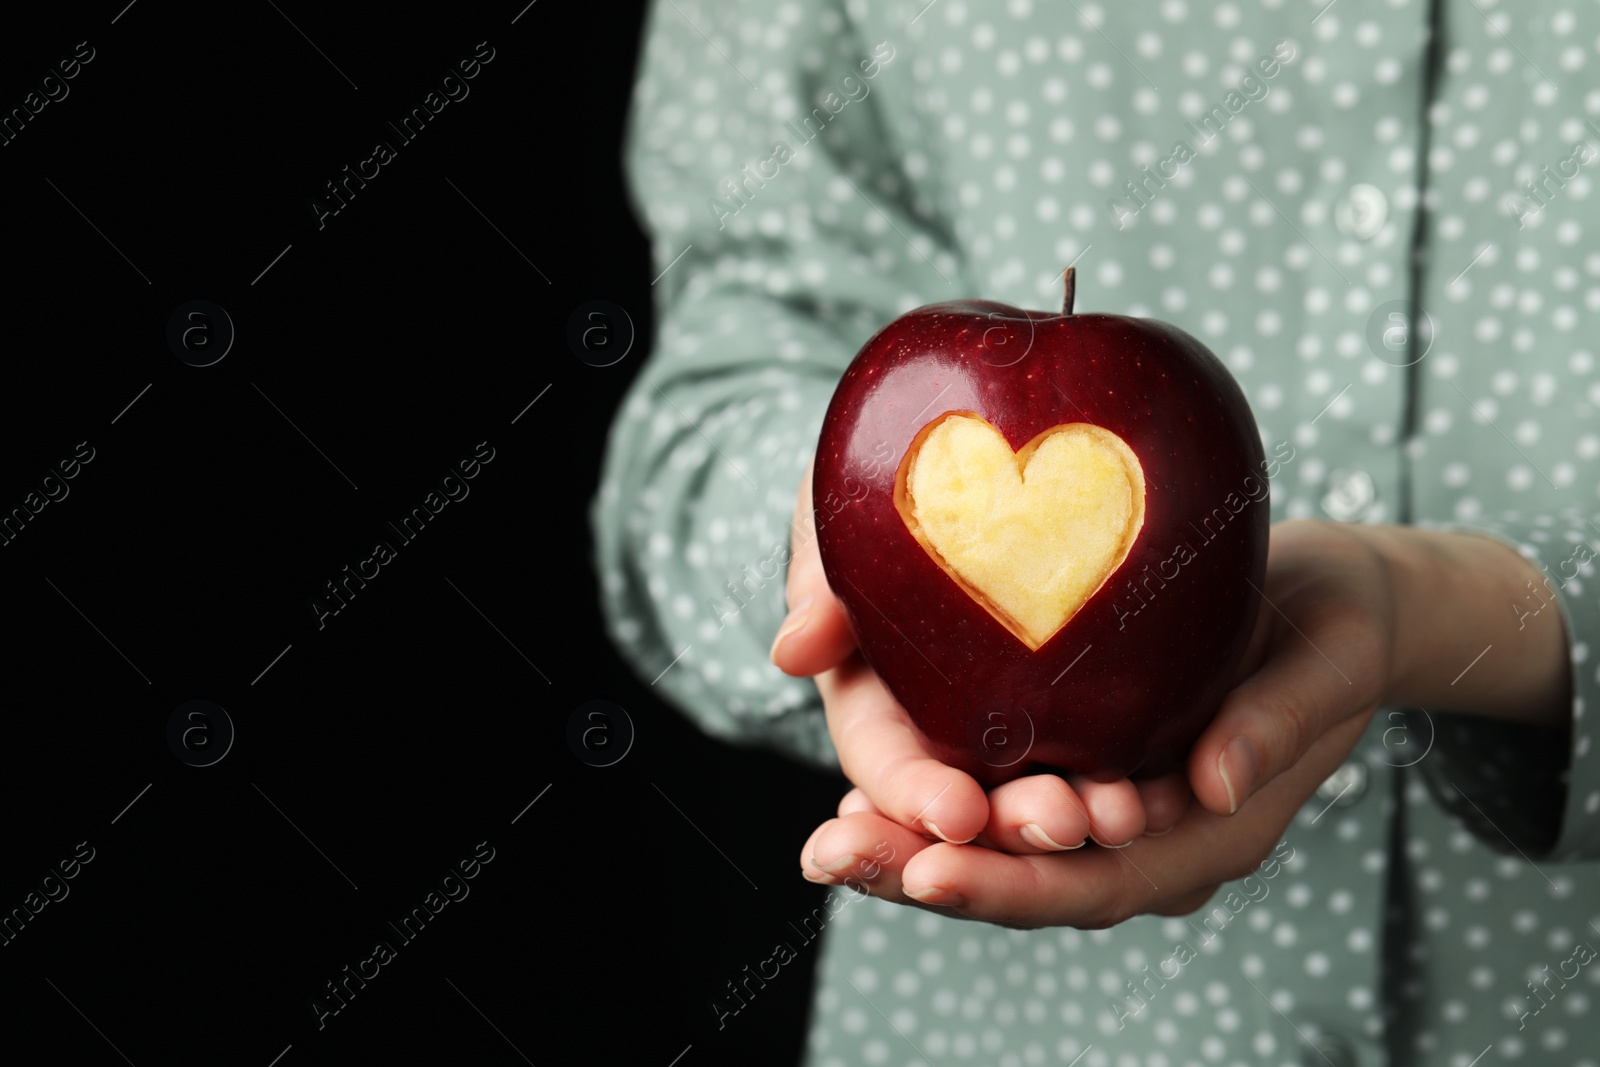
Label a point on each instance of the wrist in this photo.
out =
(1457, 644)
(1410, 566)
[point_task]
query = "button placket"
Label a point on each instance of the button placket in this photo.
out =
(1361, 212)
(1351, 494)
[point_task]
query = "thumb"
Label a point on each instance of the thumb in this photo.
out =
(816, 635)
(1269, 722)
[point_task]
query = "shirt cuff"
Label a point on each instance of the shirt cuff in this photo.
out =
(1521, 788)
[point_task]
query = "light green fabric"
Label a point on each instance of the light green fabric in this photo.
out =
(965, 149)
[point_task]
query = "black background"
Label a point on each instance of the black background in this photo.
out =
(370, 358)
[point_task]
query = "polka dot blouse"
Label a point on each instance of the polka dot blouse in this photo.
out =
(1382, 217)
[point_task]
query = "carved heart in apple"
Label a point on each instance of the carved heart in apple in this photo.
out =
(1030, 535)
(1048, 530)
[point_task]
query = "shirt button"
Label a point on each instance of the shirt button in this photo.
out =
(1345, 785)
(1350, 494)
(1329, 1049)
(1362, 212)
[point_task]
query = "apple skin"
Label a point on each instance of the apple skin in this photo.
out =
(1157, 663)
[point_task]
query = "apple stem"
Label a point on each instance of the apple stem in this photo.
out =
(1071, 283)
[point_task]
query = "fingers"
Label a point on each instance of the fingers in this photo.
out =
(1173, 874)
(1270, 721)
(1039, 814)
(1095, 888)
(863, 850)
(1165, 799)
(1085, 889)
(1323, 641)
(854, 801)
(882, 753)
(1114, 810)
(816, 635)
(873, 854)
(1043, 813)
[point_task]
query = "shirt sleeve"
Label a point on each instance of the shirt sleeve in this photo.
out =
(783, 235)
(1521, 788)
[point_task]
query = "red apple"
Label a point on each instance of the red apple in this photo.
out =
(1049, 532)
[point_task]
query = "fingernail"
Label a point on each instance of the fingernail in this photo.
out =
(1106, 844)
(837, 865)
(793, 624)
(1035, 836)
(936, 832)
(819, 878)
(1238, 765)
(1162, 833)
(935, 895)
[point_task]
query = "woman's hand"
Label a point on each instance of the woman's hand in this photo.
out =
(1320, 660)
(1353, 617)
(882, 753)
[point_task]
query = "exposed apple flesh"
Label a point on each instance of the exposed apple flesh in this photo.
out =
(1031, 535)
(1047, 530)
